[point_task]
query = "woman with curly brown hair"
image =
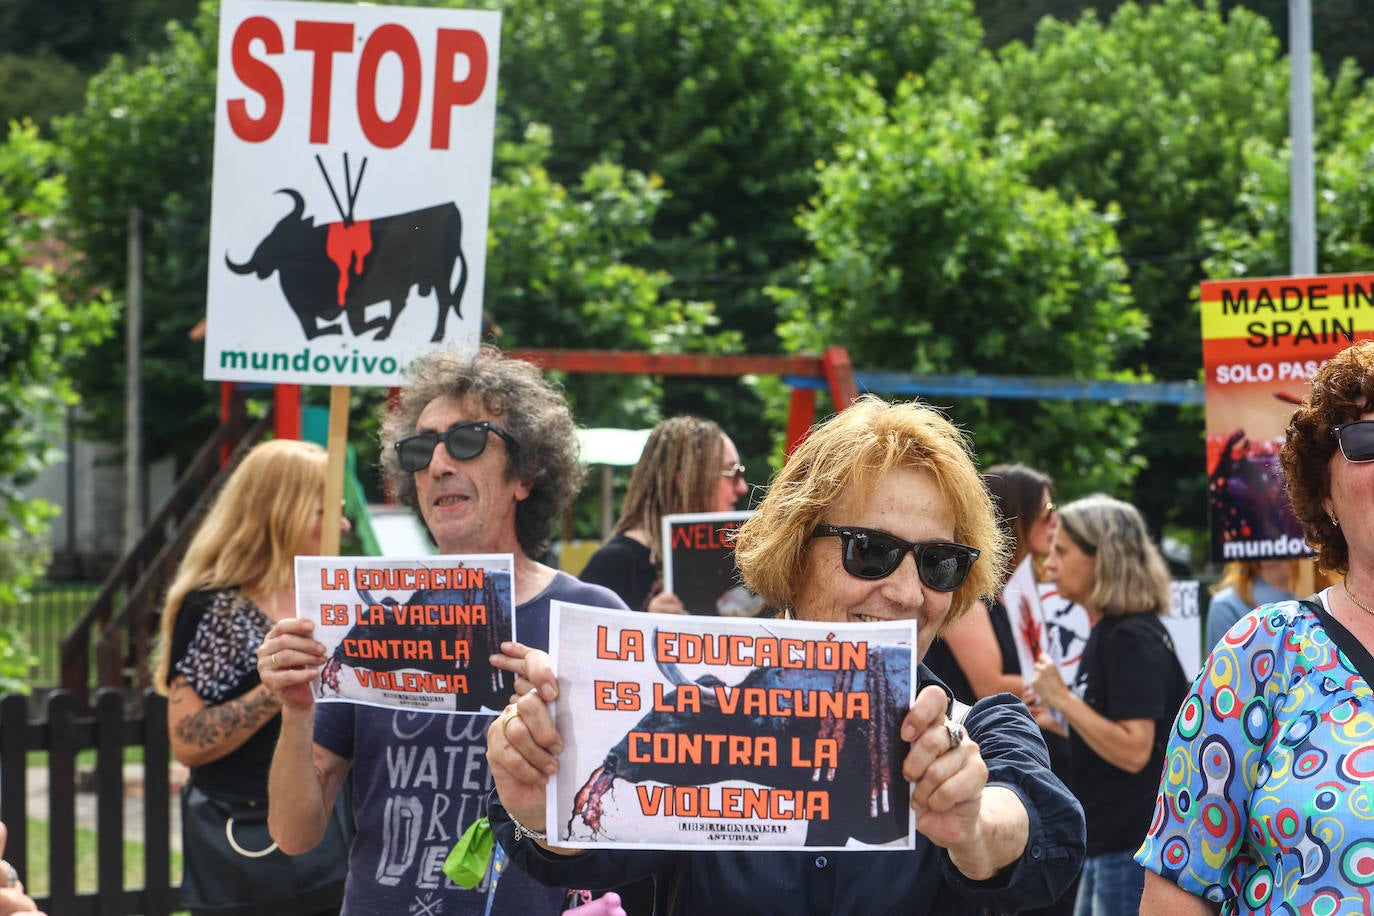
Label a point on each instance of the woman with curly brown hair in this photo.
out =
(1264, 801)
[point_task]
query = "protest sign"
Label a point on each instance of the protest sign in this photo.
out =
(1184, 623)
(352, 175)
(699, 565)
(1262, 341)
(712, 733)
(1067, 626)
(1021, 596)
(411, 633)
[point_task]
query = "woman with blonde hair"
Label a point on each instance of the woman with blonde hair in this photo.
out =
(1128, 689)
(236, 579)
(878, 516)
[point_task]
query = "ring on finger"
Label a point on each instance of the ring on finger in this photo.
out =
(956, 735)
(506, 719)
(275, 663)
(9, 873)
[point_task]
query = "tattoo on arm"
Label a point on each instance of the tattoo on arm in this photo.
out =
(214, 724)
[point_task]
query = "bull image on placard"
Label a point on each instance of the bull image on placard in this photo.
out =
(372, 645)
(345, 267)
(863, 779)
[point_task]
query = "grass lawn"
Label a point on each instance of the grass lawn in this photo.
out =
(49, 616)
(36, 881)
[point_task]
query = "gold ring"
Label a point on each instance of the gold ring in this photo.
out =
(275, 663)
(505, 722)
(956, 735)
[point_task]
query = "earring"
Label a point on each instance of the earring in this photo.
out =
(1335, 521)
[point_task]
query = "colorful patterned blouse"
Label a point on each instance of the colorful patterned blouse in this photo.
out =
(1266, 803)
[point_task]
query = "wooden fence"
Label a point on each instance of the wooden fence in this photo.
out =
(63, 733)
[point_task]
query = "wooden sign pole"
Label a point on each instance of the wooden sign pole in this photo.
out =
(334, 475)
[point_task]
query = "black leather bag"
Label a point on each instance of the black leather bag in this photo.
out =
(231, 866)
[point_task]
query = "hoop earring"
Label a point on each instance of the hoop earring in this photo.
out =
(1335, 521)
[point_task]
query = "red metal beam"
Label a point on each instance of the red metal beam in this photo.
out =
(620, 362)
(287, 419)
(800, 415)
(833, 366)
(840, 374)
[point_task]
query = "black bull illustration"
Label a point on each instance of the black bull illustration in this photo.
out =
(345, 267)
(487, 686)
(870, 747)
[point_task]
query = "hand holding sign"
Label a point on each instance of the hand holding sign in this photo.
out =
(289, 661)
(523, 743)
(699, 567)
(946, 773)
(785, 736)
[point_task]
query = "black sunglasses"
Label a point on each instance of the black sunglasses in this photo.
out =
(1356, 439)
(868, 554)
(464, 442)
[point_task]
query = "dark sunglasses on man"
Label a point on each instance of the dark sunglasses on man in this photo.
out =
(868, 554)
(1356, 440)
(464, 442)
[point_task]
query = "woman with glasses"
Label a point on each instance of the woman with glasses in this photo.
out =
(1128, 688)
(1264, 803)
(688, 465)
(878, 515)
(977, 657)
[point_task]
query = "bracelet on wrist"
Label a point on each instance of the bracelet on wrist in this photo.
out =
(521, 831)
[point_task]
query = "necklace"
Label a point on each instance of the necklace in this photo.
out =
(1358, 603)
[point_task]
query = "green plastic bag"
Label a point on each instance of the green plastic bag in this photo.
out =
(467, 862)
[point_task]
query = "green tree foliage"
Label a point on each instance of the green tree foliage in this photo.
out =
(84, 33)
(43, 327)
(1152, 113)
(976, 271)
(38, 87)
(46, 55)
(1256, 243)
(731, 104)
(144, 139)
(559, 272)
(1341, 29)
